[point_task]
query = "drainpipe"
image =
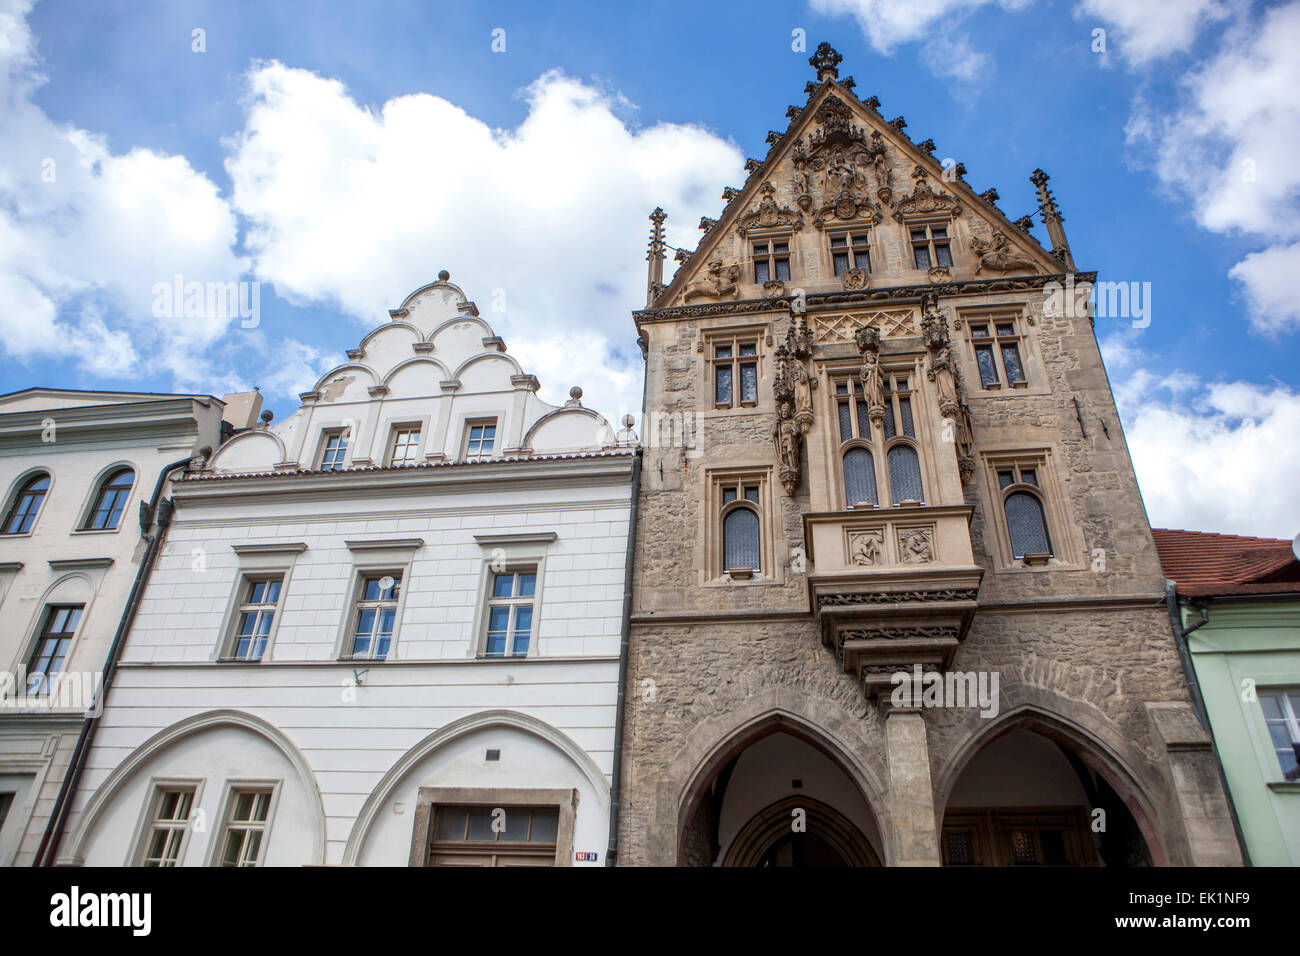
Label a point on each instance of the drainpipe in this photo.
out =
(615, 791)
(48, 850)
(1198, 701)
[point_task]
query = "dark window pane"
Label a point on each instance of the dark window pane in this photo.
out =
(761, 273)
(859, 477)
(723, 351)
(1006, 478)
(748, 348)
(905, 474)
(864, 419)
(1005, 329)
(728, 495)
(546, 824)
(740, 539)
(841, 260)
(749, 382)
(783, 270)
(1011, 362)
(890, 424)
(1029, 476)
(1053, 843)
(838, 241)
(1027, 525)
(958, 844)
(905, 413)
(922, 256)
(502, 585)
(846, 423)
(527, 585)
(751, 493)
(942, 255)
(979, 331)
(722, 388)
(988, 371)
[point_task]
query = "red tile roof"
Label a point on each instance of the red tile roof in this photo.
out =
(1216, 565)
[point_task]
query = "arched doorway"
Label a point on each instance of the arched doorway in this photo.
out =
(1030, 797)
(779, 797)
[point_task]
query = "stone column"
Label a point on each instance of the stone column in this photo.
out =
(1197, 789)
(911, 795)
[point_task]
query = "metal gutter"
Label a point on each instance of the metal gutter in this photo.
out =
(615, 790)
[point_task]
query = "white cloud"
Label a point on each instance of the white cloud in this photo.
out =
(1219, 456)
(1150, 30)
(85, 233)
(888, 23)
(357, 207)
(1229, 150)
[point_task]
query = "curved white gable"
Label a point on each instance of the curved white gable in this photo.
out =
(436, 366)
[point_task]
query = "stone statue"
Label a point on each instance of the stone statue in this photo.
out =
(868, 341)
(719, 281)
(785, 434)
(999, 255)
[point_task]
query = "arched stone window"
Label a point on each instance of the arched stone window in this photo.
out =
(1026, 524)
(27, 504)
(740, 539)
(859, 477)
(905, 474)
(110, 501)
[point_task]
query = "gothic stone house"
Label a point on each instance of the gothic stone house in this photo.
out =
(384, 630)
(893, 449)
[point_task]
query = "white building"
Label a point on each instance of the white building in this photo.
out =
(75, 467)
(384, 630)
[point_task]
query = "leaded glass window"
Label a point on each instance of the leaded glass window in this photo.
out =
(859, 477)
(1027, 524)
(740, 539)
(905, 474)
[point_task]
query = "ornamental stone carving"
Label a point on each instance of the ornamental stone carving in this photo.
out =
(915, 545)
(768, 214)
(719, 282)
(924, 200)
(785, 435)
(854, 280)
(999, 255)
(868, 342)
(866, 548)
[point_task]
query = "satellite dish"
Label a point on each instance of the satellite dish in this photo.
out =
(386, 583)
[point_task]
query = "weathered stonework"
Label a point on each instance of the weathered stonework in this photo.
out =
(1078, 637)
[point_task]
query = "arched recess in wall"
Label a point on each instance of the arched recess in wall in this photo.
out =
(75, 587)
(1076, 740)
(141, 757)
(452, 731)
(811, 731)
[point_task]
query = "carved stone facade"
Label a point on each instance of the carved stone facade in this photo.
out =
(879, 464)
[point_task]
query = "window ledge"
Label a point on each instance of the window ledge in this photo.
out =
(96, 530)
(1284, 786)
(1036, 560)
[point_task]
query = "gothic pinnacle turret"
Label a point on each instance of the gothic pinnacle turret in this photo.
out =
(1052, 219)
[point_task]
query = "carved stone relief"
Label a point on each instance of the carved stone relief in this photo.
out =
(867, 548)
(915, 545)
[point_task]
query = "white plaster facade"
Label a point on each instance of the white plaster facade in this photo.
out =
(346, 745)
(77, 439)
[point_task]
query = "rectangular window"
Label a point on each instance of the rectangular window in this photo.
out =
(772, 261)
(510, 613)
(257, 609)
(405, 446)
(168, 821)
(334, 450)
(998, 353)
(930, 245)
(854, 413)
(6, 801)
(850, 250)
(245, 828)
(898, 406)
(1282, 715)
(51, 651)
(480, 439)
(375, 617)
(493, 836)
(735, 371)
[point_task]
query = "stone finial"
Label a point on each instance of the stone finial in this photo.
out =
(826, 62)
(267, 416)
(575, 397)
(444, 276)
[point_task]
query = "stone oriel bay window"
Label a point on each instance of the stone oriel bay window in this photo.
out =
(740, 526)
(1028, 511)
(493, 827)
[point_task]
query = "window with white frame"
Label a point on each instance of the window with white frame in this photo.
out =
(374, 619)
(259, 602)
(480, 439)
(998, 352)
(334, 449)
(1282, 716)
(510, 612)
(404, 449)
(169, 818)
(244, 829)
(52, 646)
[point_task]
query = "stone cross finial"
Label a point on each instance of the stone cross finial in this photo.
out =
(826, 62)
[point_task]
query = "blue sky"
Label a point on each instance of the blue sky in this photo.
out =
(341, 154)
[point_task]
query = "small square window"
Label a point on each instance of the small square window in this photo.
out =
(334, 450)
(480, 439)
(169, 819)
(405, 446)
(244, 838)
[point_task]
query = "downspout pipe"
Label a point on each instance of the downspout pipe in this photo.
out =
(47, 851)
(616, 789)
(1198, 701)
